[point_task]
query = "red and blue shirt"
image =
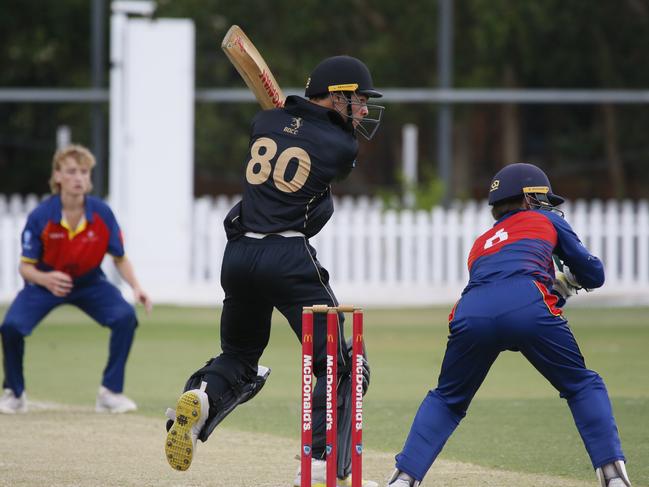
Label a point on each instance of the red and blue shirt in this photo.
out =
(50, 243)
(521, 244)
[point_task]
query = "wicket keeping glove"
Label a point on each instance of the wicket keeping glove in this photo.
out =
(565, 283)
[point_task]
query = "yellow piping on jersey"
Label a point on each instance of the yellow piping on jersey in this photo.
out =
(29, 260)
(76, 231)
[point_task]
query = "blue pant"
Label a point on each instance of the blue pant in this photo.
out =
(98, 298)
(509, 315)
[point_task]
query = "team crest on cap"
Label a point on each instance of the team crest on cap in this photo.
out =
(494, 185)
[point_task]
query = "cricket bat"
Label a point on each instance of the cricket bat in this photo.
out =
(252, 68)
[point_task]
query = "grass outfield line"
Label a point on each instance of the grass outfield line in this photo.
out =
(516, 423)
(72, 446)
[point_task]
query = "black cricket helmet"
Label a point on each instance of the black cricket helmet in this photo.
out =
(341, 73)
(527, 180)
(350, 76)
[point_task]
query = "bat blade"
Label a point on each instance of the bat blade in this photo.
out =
(245, 57)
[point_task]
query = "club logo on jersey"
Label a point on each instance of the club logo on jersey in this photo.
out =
(91, 236)
(494, 185)
(296, 123)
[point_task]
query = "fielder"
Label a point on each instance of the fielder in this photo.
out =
(63, 244)
(509, 304)
(295, 154)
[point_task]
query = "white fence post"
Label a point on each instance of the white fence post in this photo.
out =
(437, 248)
(642, 278)
(611, 245)
(452, 260)
(390, 235)
(595, 227)
(422, 241)
(628, 231)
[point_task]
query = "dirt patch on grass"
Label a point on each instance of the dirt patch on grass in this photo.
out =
(68, 447)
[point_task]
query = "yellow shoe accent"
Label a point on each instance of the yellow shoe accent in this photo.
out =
(181, 438)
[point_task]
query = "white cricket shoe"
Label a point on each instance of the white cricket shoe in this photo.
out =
(113, 402)
(613, 475)
(402, 479)
(617, 482)
(347, 482)
(319, 476)
(191, 412)
(10, 404)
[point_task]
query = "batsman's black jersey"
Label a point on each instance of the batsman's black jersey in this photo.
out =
(295, 153)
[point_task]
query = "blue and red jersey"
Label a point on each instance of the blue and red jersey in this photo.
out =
(521, 244)
(50, 243)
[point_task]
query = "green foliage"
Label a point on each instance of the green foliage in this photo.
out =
(496, 44)
(427, 193)
(516, 422)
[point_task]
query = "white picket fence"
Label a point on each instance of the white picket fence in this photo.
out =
(387, 258)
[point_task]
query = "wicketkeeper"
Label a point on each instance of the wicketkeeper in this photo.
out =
(512, 302)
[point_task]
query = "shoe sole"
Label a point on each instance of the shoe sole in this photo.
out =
(179, 446)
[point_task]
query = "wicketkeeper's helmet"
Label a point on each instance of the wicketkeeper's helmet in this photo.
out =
(521, 179)
(341, 73)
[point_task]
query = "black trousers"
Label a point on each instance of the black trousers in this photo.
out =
(278, 272)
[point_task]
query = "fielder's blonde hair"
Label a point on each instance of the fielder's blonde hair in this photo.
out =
(77, 152)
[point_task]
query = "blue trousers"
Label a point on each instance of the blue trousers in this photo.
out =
(509, 315)
(98, 298)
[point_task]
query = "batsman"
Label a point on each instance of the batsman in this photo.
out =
(295, 153)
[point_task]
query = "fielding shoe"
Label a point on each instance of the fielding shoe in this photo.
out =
(402, 479)
(319, 476)
(617, 482)
(113, 402)
(10, 404)
(613, 475)
(347, 482)
(188, 419)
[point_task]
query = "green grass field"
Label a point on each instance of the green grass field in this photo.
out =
(517, 421)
